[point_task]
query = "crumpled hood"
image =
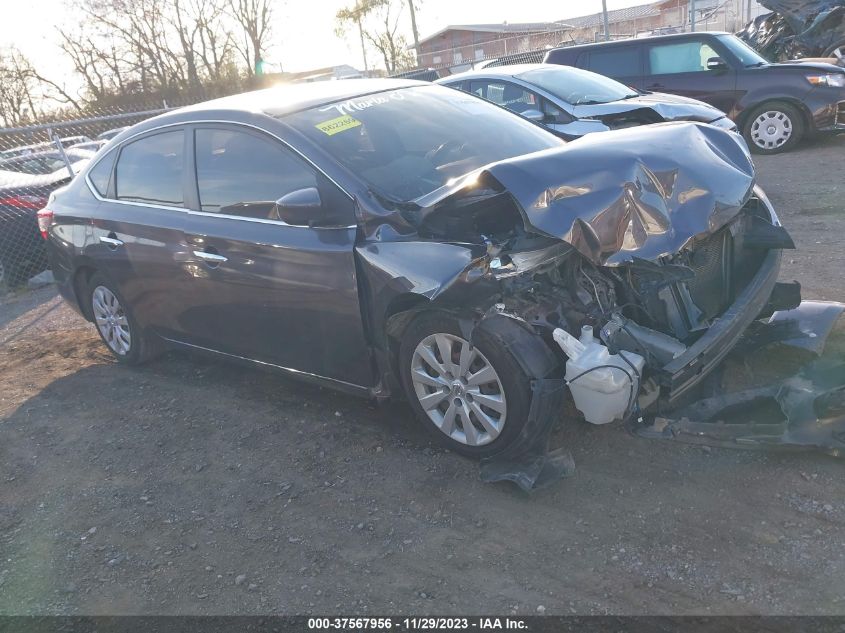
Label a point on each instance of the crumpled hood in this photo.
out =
(642, 192)
(668, 107)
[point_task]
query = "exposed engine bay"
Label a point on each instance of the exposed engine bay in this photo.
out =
(640, 278)
(654, 310)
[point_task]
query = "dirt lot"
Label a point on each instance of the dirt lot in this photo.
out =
(193, 487)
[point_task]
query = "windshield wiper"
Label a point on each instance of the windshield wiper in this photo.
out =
(757, 64)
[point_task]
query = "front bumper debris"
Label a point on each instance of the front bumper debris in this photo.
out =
(802, 412)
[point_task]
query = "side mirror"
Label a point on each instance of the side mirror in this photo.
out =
(716, 63)
(533, 115)
(300, 207)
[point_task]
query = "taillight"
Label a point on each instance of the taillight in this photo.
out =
(24, 202)
(45, 219)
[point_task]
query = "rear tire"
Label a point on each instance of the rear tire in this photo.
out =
(115, 323)
(773, 127)
(483, 383)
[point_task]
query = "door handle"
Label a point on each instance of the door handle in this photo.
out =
(213, 258)
(111, 241)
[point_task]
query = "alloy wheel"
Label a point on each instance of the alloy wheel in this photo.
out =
(111, 320)
(771, 129)
(458, 389)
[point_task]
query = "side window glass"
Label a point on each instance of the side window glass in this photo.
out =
(620, 62)
(150, 170)
(100, 175)
(477, 88)
(684, 57)
(554, 113)
(243, 174)
(513, 97)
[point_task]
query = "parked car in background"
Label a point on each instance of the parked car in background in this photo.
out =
(774, 105)
(91, 146)
(572, 102)
(110, 134)
(22, 150)
(25, 184)
(390, 237)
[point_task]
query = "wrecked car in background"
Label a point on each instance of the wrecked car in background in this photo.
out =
(572, 102)
(798, 29)
(392, 237)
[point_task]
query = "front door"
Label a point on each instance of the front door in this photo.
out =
(261, 288)
(680, 68)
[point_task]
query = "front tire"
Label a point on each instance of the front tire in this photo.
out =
(774, 127)
(115, 323)
(474, 400)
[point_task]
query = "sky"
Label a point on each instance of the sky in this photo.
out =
(303, 31)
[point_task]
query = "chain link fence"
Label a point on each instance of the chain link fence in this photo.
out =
(36, 160)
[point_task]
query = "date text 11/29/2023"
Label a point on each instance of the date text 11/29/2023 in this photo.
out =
(425, 623)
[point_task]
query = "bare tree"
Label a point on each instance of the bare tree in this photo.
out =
(253, 17)
(159, 49)
(385, 38)
(378, 25)
(17, 88)
(354, 15)
(413, 8)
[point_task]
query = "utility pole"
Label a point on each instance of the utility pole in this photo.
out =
(414, 28)
(359, 17)
(606, 21)
(692, 15)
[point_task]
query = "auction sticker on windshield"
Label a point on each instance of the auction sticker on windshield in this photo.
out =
(338, 124)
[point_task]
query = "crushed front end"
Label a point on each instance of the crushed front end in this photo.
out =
(657, 240)
(638, 257)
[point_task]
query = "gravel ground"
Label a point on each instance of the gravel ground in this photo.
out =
(193, 487)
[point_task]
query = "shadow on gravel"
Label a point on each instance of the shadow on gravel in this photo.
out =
(193, 487)
(27, 304)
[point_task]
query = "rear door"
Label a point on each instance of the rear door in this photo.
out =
(260, 288)
(680, 67)
(137, 228)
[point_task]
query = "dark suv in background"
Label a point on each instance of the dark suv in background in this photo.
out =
(775, 105)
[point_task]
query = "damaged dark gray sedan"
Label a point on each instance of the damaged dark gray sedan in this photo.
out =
(395, 238)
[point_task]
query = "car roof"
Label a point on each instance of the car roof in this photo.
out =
(277, 101)
(511, 70)
(636, 40)
(288, 98)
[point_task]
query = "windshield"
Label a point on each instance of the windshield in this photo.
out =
(746, 55)
(577, 87)
(406, 143)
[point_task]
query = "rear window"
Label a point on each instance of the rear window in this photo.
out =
(617, 62)
(150, 170)
(100, 175)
